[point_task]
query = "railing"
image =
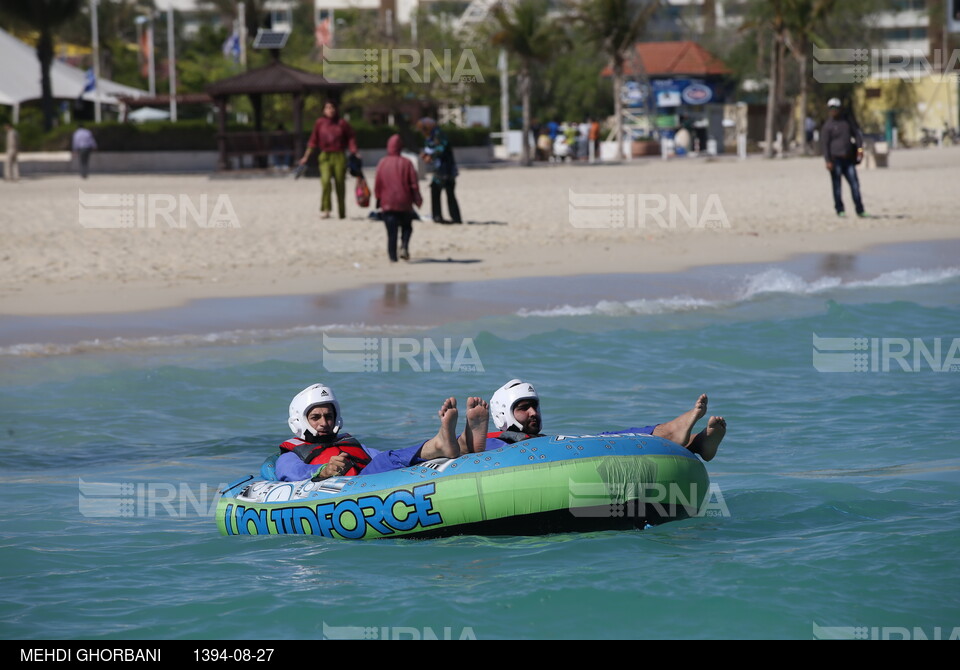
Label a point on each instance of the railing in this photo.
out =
(278, 148)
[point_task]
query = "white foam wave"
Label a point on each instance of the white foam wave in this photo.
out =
(781, 281)
(224, 338)
(772, 281)
(909, 277)
(627, 308)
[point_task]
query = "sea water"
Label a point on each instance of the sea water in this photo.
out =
(836, 492)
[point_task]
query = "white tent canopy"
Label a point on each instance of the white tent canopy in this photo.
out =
(20, 77)
(148, 114)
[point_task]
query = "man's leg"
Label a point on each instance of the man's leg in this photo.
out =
(84, 163)
(444, 444)
(679, 429)
(850, 172)
(435, 190)
(474, 437)
(452, 204)
(707, 441)
(835, 180)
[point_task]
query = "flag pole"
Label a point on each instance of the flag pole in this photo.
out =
(96, 60)
(151, 59)
(172, 64)
(242, 33)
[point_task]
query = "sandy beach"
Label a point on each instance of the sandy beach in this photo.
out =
(658, 216)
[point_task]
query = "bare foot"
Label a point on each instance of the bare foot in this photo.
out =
(708, 440)
(474, 437)
(445, 444)
(700, 407)
(680, 428)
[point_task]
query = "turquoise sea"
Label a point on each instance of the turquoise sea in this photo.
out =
(841, 489)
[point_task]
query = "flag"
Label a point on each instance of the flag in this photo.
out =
(231, 47)
(90, 83)
(145, 53)
(322, 32)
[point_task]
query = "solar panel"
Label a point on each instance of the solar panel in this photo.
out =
(270, 39)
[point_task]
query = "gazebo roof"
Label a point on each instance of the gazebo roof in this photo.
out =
(273, 78)
(671, 59)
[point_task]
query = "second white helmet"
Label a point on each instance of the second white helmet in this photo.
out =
(303, 402)
(504, 399)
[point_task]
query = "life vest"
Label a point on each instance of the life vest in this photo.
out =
(510, 436)
(319, 453)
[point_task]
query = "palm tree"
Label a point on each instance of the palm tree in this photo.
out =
(791, 24)
(44, 16)
(804, 18)
(524, 30)
(615, 26)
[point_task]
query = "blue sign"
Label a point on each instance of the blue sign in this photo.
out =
(676, 92)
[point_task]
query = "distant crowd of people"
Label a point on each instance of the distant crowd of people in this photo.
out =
(567, 140)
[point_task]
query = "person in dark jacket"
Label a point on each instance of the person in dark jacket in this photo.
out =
(397, 191)
(438, 153)
(842, 150)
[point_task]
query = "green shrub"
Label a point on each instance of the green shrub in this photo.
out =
(202, 136)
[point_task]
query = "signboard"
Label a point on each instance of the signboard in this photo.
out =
(677, 92)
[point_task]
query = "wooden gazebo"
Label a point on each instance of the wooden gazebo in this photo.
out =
(275, 78)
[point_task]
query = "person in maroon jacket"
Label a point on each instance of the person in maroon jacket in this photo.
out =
(397, 191)
(332, 137)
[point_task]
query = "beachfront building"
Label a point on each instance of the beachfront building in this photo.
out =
(911, 93)
(906, 52)
(672, 85)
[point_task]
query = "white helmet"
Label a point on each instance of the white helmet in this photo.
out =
(307, 399)
(503, 400)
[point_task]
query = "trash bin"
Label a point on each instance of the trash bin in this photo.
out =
(881, 152)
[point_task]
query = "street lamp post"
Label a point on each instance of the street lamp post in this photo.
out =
(96, 60)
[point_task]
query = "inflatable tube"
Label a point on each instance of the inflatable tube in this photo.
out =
(542, 485)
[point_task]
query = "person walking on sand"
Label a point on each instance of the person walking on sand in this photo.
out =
(332, 136)
(83, 144)
(843, 150)
(439, 154)
(397, 191)
(11, 168)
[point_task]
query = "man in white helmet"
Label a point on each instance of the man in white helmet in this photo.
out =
(320, 450)
(515, 408)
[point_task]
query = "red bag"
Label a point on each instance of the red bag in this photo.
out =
(363, 192)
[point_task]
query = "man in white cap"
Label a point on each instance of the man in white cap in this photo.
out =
(842, 150)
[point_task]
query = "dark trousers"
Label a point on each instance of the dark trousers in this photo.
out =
(84, 162)
(447, 185)
(395, 221)
(847, 169)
